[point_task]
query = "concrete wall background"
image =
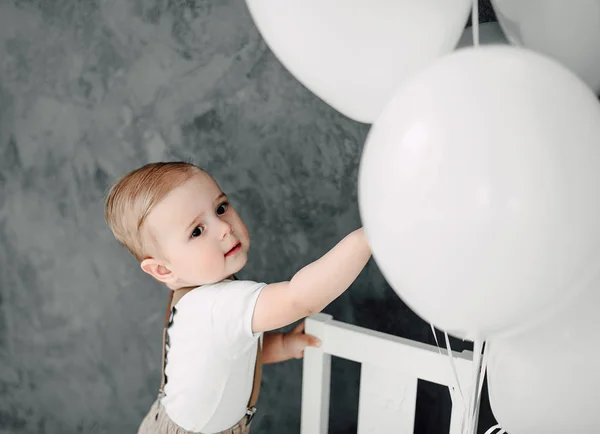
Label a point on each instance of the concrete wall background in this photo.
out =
(92, 89)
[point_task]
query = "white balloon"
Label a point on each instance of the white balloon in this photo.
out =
(546, 380)
(478, 188)
(568, 31)
(489, 33)
(353, 54)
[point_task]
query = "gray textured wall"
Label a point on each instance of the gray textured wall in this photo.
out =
(92, 89)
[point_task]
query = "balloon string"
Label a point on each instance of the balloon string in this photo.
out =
(472, 416)
(470, 407)
(482, 374)
(467, 420)
(454, 371)
(456, 383)
(475, 23)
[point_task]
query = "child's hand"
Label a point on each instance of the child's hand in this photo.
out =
(296, 340)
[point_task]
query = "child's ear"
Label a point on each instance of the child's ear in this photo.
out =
(157, 270)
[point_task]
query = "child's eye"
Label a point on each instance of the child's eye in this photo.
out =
(222, 208)
(197, 232)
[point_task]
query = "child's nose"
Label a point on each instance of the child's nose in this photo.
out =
(225, 229)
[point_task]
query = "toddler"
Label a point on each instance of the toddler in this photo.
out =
(178, 223)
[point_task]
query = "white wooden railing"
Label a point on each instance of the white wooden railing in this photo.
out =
(390, 369)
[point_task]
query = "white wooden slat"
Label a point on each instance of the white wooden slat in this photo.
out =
(316, 381)
(457, 415)
(423, 361)
(387, 401)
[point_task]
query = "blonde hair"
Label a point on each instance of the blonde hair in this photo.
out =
(132, 197)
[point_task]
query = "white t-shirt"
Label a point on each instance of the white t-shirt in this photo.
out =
(211, 356)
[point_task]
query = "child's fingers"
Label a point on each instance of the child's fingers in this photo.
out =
(310, 340)
(313, 341)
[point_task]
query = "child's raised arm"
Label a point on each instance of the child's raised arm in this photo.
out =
(313, 287)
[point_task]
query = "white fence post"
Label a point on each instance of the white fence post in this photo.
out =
(387, 401)
(316, 380)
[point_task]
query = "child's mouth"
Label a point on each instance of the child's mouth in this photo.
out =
(234, 250)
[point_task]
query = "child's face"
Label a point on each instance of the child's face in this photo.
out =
(196, 229)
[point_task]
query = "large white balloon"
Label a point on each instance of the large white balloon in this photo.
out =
(478, 188)
(547, 379)
(568, 31)
(353, 54)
